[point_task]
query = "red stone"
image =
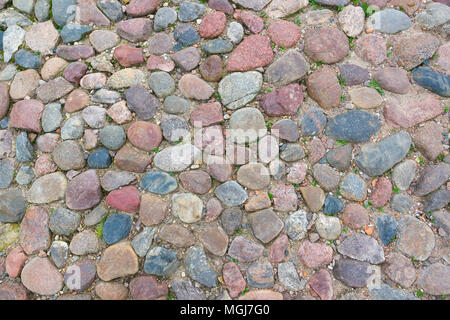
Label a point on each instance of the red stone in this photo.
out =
(34, 232)
(211, 68)
(26, 115)
(160, 63)
(144, 135)
(233, 279)
(125, 199)
(278, 248)
(15, 261)
(326, 44)
(147, 288)
(212, 25)
(128, 56)
(207, 114)
(282, 102)
(382, 193)
(75, 71)
(322, 284)
(253, 52)
(253, 23)
(284, 33)
(316, 150)
(139, 8)
(152, 210)
(405, 116)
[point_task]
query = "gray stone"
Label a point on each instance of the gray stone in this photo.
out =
(111, 8)
(113, 180)
(434, 15)
(25, 175)
(106, 96)
(112, 137)
(94, 116)
(59, 251)
(96, 215)
(63, 221)
(217, 46)
(247, 125)
(436, 200)
(363, 248)
(385, 292)
(175, 105)
(161, 262)
(327, 227)
(163, 18)
(231, 193)
(68, 155)
(12, 206)
(415, 238)
(239, 88)
(74, 32)
(41, 10)
(189, 11)
(27, 60)
(184, 290)
(352, 273)
(376, 158)
(51, 117)
(48, 188)
(353, 126)
(260, 275)
(24, 148)
(235, 32)
(73, 128)
(6, 173)
(296, 225)
(292, 152)
(290, 67)
(403, 174)
(10, 17)
(161, 83)
(198, 266)
(12, 39)
(176, 158)
(288, 276)
(63, 11)
(389, 21)
(143, 241)
(353, 187)
(401, 203)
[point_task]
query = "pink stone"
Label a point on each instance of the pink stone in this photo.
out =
(34, 233)
(160, 63)
(405, 116)
(120, 113)
(278, 248)
(77, 100)
(144, 135)
(210, 140)
(192, 86)
(48, 142)
(219, 168)
(125, 199)
(316, 150)
(4, 99)
(44, 165)
(284, 33)
(26, 115)
(282, 102)
(355, 216)
(213, 209)
(207, 114)
(221, 5)
(315, 255)
(284, 197)
(84, 191)
(323, 86)
(297, 173)
(263, 294)
(322, 284)
(87, 12)
(128, 56)
(233, 279)
(75, 52)
(212, 25)
(253, 52)
(371, 48)
(15, 261)
(382, 193)
(254, 23)
(135, 30)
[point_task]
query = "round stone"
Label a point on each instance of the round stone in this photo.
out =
(187, 207)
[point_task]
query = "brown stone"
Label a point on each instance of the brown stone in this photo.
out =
(129, 159)
(153, 210)
(76, 101)
(196, 181)
(117, 261)
(326, 44)
(26, 115)
(284, 33)
(144, 135)
(233, 279)
(40, 276)
(323, 86)
(34, 232)
(253, 52)
(215, 240)
(371, 48)
(212, 68)
(147, 288)
(111, 290)
(355, 216)
(177, 235)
